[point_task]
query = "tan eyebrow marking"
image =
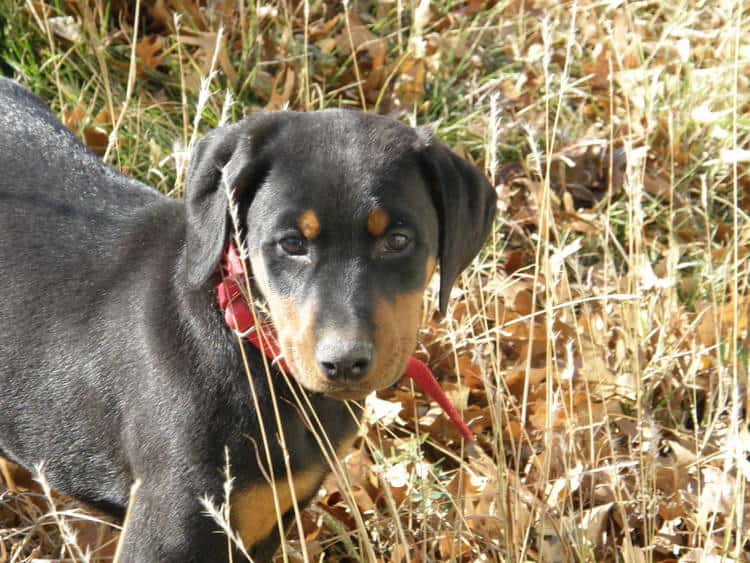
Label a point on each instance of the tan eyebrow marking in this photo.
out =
(308, 224)
(377, 222)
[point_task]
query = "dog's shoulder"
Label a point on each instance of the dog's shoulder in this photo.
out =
(41, 157)
(11, 92)
(24, 111)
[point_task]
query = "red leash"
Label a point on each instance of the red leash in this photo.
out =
(239, 317)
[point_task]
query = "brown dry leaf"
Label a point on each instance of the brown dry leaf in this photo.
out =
(585, 223)
(159, 12)
(410, 402)
(322, 29)
(657, 186)
(73, 118)
(398, 554)
(150, 49)
(279, 99)
(471, 373)
(326, 45)
(94, 137)
(495, 310)
(598, 69)
(376, 74)
(675, 468)
(626, 41)
(593, 367)
(364, 501)
(360, 36)
(717, 321)
(440, 428)
(512, 91)
(359, 468)
(478, 418)
(702, 555)
(513, 261)
(369, 48)
(515, 381)
(162, 12)
(335, 505)
(538, 412)
(315, 550)
(592, 411)
(523, 303)
(461, 312)
(311, 526)
(744, 202)
(453, 546)
(583, 170)
(15, 476)
(591, 524)
(206, 46)
(672, 509)
(518, 328)
(477, 501)
(97, 538)
(410, 84)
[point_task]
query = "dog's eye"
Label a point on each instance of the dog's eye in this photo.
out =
(396, 242)
(293, 245)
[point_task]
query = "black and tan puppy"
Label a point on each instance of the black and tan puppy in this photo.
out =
(115, 361)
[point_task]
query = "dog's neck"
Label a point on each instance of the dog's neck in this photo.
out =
(241, 317)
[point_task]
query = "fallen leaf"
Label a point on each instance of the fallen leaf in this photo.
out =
(149, 51)
(67, 27)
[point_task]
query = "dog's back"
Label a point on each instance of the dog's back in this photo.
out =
(34, 143)
(66, 219)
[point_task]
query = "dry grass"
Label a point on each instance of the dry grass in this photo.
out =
(599, 346)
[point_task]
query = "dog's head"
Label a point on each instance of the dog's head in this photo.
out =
(345, 216)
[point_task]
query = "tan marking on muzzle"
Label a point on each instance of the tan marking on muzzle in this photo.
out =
(396, 324)
(377, 222)
(252, 509)
(395, 336)
(295, 328)
(309, 224)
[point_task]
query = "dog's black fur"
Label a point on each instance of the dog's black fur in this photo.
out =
(115, 361)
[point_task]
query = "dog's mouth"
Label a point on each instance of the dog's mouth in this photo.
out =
(306, 373)
(354, 391)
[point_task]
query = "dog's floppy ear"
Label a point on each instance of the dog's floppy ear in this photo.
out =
(228, 157)
(465, 204)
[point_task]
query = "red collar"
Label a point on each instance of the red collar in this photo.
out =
(239, 317)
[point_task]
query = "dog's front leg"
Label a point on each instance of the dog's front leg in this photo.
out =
(168, 524)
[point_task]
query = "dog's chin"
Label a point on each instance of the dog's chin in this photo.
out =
(339, 391)
(347, 394)
(352, 391)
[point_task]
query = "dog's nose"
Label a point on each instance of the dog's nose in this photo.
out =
(344, 359)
